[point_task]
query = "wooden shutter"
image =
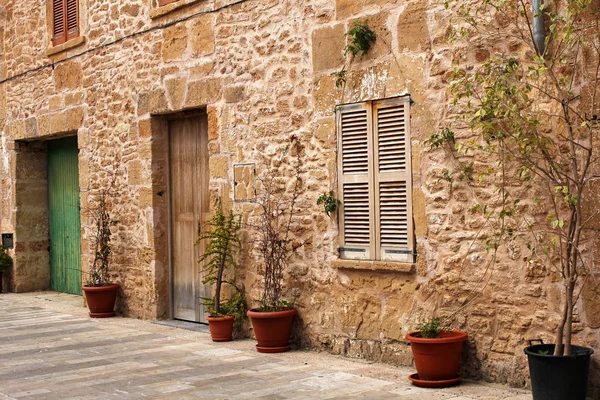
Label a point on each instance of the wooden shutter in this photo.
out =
(58, 22)
(72, 23)
(65, 20)
(392, 180)
(357, 216)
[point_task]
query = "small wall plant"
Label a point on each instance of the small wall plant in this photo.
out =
(360, 40)
(329, 201)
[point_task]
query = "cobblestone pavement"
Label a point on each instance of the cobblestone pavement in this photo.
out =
(50, 349)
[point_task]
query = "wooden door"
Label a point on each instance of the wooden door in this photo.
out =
(188, 154)
(63, 207)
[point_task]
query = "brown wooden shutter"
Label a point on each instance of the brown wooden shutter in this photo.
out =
(65, 20)
(357, 214)
(392, 180)
(58, 22)
(72, 23)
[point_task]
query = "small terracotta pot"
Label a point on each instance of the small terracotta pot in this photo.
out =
(437, 359)
(221, 328)
(272, 329)
(101, 300)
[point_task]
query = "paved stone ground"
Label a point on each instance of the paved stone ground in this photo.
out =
(50, 349)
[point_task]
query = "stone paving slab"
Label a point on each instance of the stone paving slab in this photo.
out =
(51, 349)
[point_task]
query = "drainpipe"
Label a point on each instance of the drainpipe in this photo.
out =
(539, 38)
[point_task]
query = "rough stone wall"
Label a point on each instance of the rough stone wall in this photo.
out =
(262, 71)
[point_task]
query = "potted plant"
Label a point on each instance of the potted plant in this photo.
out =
(437, 354)
(100, 292)
(5, 263)
(220, 255)
(272, 320)
(534, 112)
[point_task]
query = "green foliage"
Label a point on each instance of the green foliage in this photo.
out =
(5, 260)
(223, 244)
(532, 118)
(234, 306)
(431, 329)
(445, 137)
(329, 201)
(340, 78)
(360, 39)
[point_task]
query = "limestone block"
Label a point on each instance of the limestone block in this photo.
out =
(58, 121)
(157, 102)
(234, 94)
(219, 167)
(202, 37)
(176, 92)
(413, 31)
(175, 41)
(55, 102)
(326, 130)
(383, 38)
(347, 8)
(203, 92)
(213, 122)
(68, 75)
(325, 95)
(74, 119)
(31, 127)
(328, 47)
(144, 128)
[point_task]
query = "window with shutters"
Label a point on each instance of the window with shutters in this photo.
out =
(65, 21)
(374, 175)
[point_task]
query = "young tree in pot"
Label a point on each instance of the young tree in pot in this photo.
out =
(220, 254)
(100, 292)
(272, 320)
(6, 262)
(437, 354)
(536, 113)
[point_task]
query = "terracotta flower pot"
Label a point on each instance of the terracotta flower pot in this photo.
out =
(101, 300)
(437, 360)
(221, 328)
(272, 330)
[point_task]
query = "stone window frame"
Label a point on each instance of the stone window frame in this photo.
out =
(370, 173)
(164, 7)
(52, 49)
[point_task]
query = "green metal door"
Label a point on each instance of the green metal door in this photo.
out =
(63, 204)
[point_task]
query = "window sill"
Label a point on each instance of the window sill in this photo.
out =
(65, 46)
(163, 10)
(390, 266)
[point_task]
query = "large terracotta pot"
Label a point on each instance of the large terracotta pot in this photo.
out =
(437, 360)
(272, 329)
(101, 300)
(221, 328)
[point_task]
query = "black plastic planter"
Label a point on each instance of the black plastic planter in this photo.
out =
(558, 377)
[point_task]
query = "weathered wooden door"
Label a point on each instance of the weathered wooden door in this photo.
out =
(63, 207)
(189, 206)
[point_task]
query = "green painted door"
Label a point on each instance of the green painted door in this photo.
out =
(63, 204)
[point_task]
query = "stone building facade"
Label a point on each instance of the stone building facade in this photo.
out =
(259, 71)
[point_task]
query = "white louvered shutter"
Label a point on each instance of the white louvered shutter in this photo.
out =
(355, 166)
(394, 239)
